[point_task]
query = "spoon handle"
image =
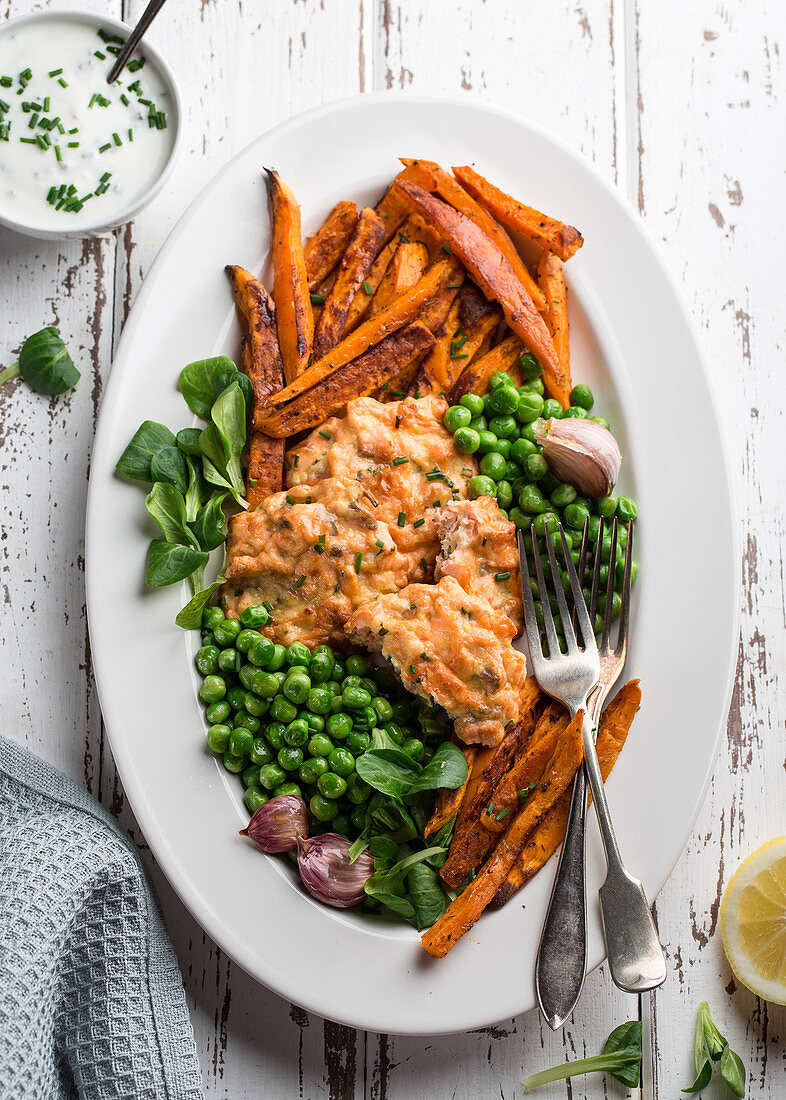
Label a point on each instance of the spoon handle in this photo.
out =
(148, 15)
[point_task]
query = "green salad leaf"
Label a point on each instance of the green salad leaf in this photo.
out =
(168, 562)
(621, 1058)
(169, 465)
(168, 508)
(190, 617)
(202, 381)
(209, 524)
(44, 363)
(426, 894)
(710, 1046)
(447, 768)
(147, 440)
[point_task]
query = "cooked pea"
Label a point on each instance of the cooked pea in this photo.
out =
(206, 659)
(260, 752)
(244, 720)
(382, 707)
(298, 655)
(340, 825)
(264, 684)
(211, 617)
(492, 465)
(394, 732)
(502, 447)
(488, 442)
(355, 698)
(290, 758)
(457, 416)
(250, 776)
(626, 509)
(234, 763)
(229, 660)
(473, 402)
(546, 521)
(246, 676)
(551, 409)
(358, 741)
(315, 722)
(481, 486)
(356, 665)
(218, 738)
(339, 726)
(619, 573)
(339, 669)
(576, 515)
(218, 712)
(331, 785)
(467, 440)
(503, 426)
(504, 494)
(365, 718)
(311, 769)
(297, 686)
(320, 745)
(282, 710)
(323, 809)
(563, 495)
(288, 788)
(593, 528)
(413, 748)
(535, 467)
(297, 733)
(260, 652)
(244, 640)
(240, 742)
(358, 790)
(575, 412)
(498, 378)
(342, 762)
(319, 700)
(519, 518)
(321, 666)
(531, 500)
(212, 689)
(274, 732)
(602, 421)
(254, 798)
(530, 367)
(271, 775)
(530, 407)
(521, 450)
(226, 632)
(512, 471)
(479, 424)
(277, 659)
(582, 396)
(504, 400)
(358, 817)
(207, 638)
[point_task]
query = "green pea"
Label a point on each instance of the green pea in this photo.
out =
(339, 669)
(250, 776)
(548, 483)
(323, 809)
(535, 467)
(236, 697)
(207, 638)
(218, 738)
(319, 700)
(298, 655)
(607, 506)
(342, 762)
(502, 447)
(282, 710)
(504, 494)
(504, 399)
(331, 785)
(340, 825)
(290, 758)
(492, 466)
(530, 367)
(358, 818)
(217, 712)
(383, 708)
(246, 676)
(358, 742)
(229, 660)
(467, 440)
(626, 509)
(275, 734)
(260, 752)
(234, 763)
(619, 572)
(244, 640)
(365, 718)
(457, 416)
(206, 659)
(602, 421)
(355, 698)
(321, 666)
(575, 412)
(358, 790)
(394, 732)
(356, 665)
(473, 402)
(551, 409)
(297, 733)
(241, 741)
(254, 798)
(488, 442)
(593, 528)
(246, 721)
(211, 617)
(403, 709)
(520, 519)
(481, 486)
(320, 745)
(287, 788)
(546, 521)
(576, 515)
(503, 426)
(260, 651)
(512, 471)
(315, 722)
(413, 748)
(521, 450)
(582, 396)
(498, 378)
(339, 726)
(530, 407)
(226, 632)
(271, 775)
(277, 659)
(616, 604)
(563, 495)
(479, 424)
(531, 500)
(212, 689)
(255, 616)
(311, 769)
(297, 686)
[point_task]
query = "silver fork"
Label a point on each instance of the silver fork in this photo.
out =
(636, 959)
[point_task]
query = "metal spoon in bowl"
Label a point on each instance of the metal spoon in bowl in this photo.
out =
(148, 15)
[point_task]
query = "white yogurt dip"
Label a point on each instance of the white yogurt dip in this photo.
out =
(74, 150)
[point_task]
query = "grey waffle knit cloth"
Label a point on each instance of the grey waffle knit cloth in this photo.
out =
(91, 998)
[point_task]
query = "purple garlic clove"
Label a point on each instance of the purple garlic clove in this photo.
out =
(328, 875)
(581, 452)
(279, 824)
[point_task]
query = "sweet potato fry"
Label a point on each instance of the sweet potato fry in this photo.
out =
(324, 250)
(265, 470)
(405, 270)
(355, 379)
(469, 905)
(465, 333)
(261, 358)
(615, 725)
(403, 311)
(431, 177)
(549, 233)
(460, 859)
(552, 280)
(449, 802)
(416, 228)
(294, 319)
(358, 310)
(354, 266)
(475, 379)
(496, 278)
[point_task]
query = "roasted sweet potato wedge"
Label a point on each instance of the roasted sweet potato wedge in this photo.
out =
(294, 319)
(549, 233)
(466, 332)
(265, 469)
(394, 208)
(431, 177)
(261, 356)
(469, 905)
(448, 802)
(552, 280)
(406, 308)
(404, 271)
(362, 376)
(491, 271)
(475, 378)
(358, 310)
(615, 725)
(324, 250)
(355, 265)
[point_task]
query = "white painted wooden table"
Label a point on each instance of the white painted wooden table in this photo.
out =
(683, 106)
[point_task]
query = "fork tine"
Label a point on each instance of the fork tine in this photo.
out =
(593, 607)
(530, 619)
(622, 637)
(608, 610)
(548, 618)
(562, 603)
(582, 615)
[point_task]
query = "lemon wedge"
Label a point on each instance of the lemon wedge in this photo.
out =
(753, 921)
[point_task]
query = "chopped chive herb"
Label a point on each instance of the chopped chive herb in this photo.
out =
(453, 286)
(317, 299)
(490, 809)
(56, 72)
(503, 576)
(99, 55)
(366, 287)
(416, 394)
(33, 122)
(58, 154)
(5, 131)
(135, 64)
(6, 81)
(397, 393)
(62, 83)
(403, 237)
(321, 540)
(413, 670)
(46, 103)
(446, 248)
(75, 130)
(130, 134)
(382, 631)
(93, 98)
(72, 145)
(105, 177)
(253, 480)
(107, 36)
(464, 355)
(124, 99)
(398, 421)
(268, 606)
(103, 148)
(325, 435)
(402, 519)
(524, 794)
(358, 561)
(43, 140)
(401, 461)
(419, 522)
(295, 460)
(28, 141)
(380, 544)
(116, 139)
(300, 580)
(502, 814)
(423, 564)
(290, 499)
(460, 343)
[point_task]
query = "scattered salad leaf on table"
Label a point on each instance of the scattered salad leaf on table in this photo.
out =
(190, 617)
(710, 1046)
(621, 1058)
(44, 363)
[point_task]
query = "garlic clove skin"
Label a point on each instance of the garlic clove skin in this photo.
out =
(279, 824)
(581, 452)
(327, 874)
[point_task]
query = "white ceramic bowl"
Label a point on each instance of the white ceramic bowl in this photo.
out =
(174, 123)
